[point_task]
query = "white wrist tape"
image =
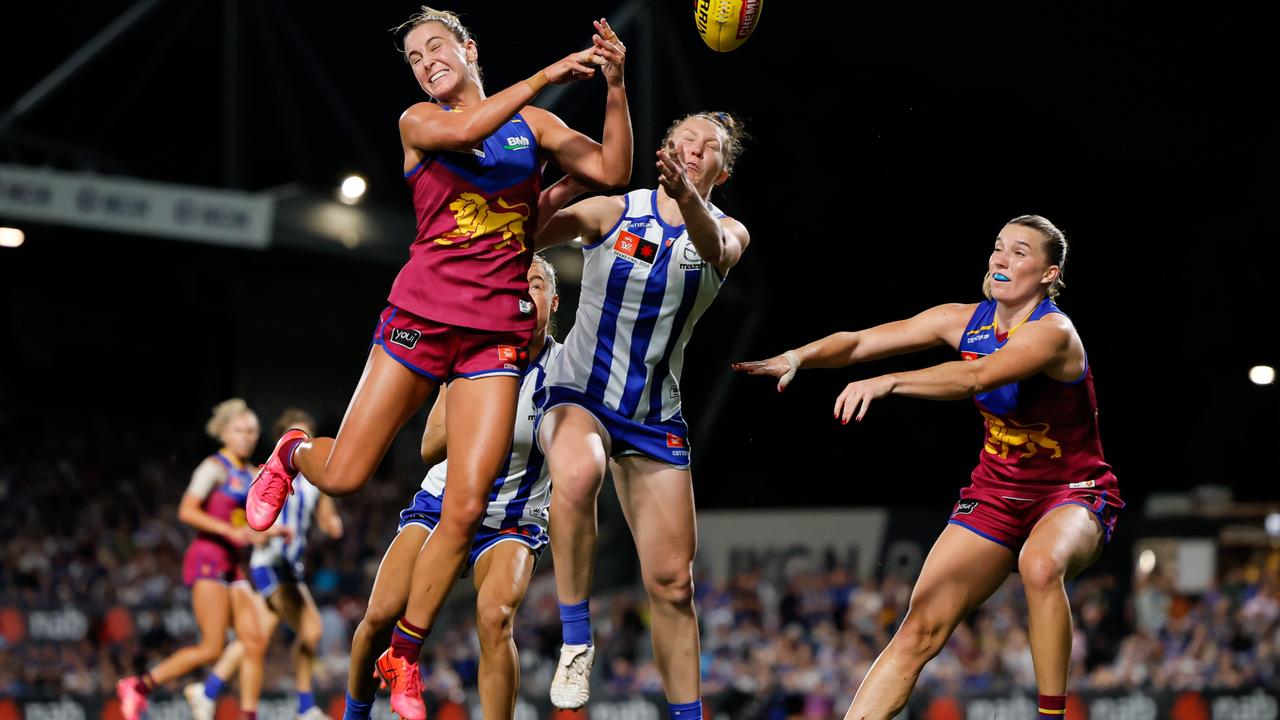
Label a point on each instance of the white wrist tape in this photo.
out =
(794, 361)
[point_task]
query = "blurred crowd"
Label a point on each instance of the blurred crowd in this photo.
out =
(804, 641)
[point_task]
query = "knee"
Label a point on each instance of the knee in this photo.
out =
(209, 650)
(494, 623)
(671, 585)
(462, 517)
(309, 635)
(379, 617)
(1040, 573)
(255, 642)
(921, 636)
(339, 482)
(577, 485)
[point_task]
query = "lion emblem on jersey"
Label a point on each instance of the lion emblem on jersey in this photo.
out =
(476, 219)
(1027, 439)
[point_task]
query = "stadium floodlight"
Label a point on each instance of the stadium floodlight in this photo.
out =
(11, 237)
(1262, 374)
(353, 189)
(1272, 524)
(1147, 561)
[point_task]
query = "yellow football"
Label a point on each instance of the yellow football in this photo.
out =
(726, 24)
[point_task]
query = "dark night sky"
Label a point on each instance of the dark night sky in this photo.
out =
(891, 141)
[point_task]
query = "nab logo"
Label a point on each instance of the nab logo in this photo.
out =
(405, 338)
(964, 507)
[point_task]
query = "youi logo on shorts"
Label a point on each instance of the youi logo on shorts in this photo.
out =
(964, 507)
(405, 338)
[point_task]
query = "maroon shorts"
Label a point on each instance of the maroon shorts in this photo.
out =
(206, 559)
(1007, 516)
(443, 352)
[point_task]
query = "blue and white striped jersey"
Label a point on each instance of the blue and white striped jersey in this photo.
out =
(298, 512)
(643, 288)
(522, 492)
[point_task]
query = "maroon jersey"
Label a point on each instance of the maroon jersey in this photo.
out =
(224, 485)
(476, 214)
(1041, 434)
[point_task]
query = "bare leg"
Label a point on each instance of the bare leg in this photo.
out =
(657, 500)
(1062, 544)
(479, 420)
(386, 397)
(501, 577)
(386, 605)
(248, 611)
(292, 602)
(961, 571)
(211, 604)
(577, 449)
(229, 661)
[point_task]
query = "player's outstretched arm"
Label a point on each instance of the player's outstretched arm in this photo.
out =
(939, 325)
(1036, 348)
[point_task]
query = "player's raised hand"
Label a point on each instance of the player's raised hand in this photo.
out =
(782, 366)
(609, 52)
(574, 67)
(672, 174)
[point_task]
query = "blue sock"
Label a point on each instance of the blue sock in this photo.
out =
(575, 623)
(685, 711)
(306, 701)
(213, 685)
(357, 709)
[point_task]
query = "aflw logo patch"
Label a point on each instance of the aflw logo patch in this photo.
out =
(634, 248)
(405, 338)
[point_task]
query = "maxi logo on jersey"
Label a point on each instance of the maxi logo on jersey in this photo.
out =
(636, 249)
